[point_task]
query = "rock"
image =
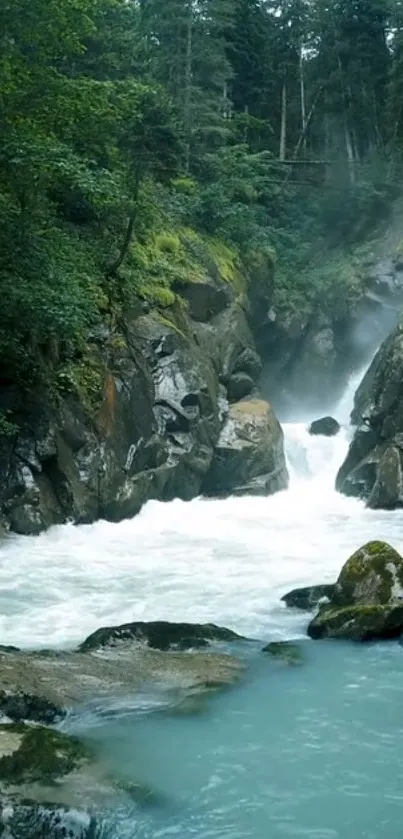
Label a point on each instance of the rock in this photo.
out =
(327, 426)
(20, 707)
(38, 766)
(367, 602)
(137, 418)
(47, 684)
(161, 635)
(372, 576)
(239, 385)
(249, 456)
(249, 362)
(358, 623)
(284, 651)
(205, 298)
(309, 597)
(373, 467)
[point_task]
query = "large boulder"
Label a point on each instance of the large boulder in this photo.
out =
(326, 427)
(249, 456)
(367, 602)
(373, 467)
(161, 635)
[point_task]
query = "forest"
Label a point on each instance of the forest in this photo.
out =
(142, 138)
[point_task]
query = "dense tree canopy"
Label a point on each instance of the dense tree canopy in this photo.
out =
(251, 120)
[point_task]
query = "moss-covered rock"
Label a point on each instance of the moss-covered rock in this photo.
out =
(372, 575)
(38, 754)
(358, 623)
(284, 651)
(309, 597)
(38, 792)
(367, 601)
(161, 635)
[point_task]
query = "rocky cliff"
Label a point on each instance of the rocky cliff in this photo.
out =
(373, 467)
(149, 412)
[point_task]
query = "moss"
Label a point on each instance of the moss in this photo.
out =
(358, 623)
(158, 295)
(168, 243)
(85, 377)
(169, 324)
(44, 755)
(284, 651)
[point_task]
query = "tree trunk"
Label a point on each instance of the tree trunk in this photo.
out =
(112, 270)
(283, 134)
(304, 126)
(187, 105)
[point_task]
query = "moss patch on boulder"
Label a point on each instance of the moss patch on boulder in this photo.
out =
(358, 623)
(372, 575)
(37, 754)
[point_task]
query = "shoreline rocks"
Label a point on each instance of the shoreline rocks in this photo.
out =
(51, 784)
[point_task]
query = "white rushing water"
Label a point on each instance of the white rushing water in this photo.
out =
(227, 561)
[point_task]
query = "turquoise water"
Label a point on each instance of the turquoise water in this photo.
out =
(314, 752)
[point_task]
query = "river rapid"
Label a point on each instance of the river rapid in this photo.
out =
(312, 753)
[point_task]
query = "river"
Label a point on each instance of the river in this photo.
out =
(312, 753)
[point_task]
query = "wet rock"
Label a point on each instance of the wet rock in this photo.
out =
(373, 467)
(38, 766)
(373, 575)
(249, 456)
(284, 651)
(206, 298)
(367, 602)
(239, 385)
(358, 623)
(160, 635)
(20, 707)
(249, 362)
(115, 671)
(309, 597)
(327, 427)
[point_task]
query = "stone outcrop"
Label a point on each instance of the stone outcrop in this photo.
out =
(249, 455)
(160, 635)
(325, 427)
(373, 467)
(309, 597)
(141, 417)
(367, 602)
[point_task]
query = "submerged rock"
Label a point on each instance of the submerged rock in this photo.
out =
(327, 427)
(46, 781)
(284, 651)
(161, 635)
(249, 456)
(309, 597)
(113, 667)
(367, 602)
